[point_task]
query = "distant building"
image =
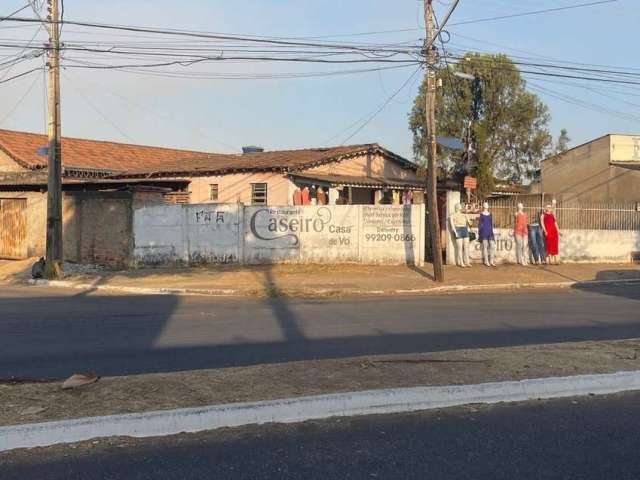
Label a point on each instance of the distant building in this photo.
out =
(602, 170)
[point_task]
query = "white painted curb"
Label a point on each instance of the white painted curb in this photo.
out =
(228, 292)
(169, 422)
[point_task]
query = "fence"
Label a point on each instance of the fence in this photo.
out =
(570, 215)
(233, 233)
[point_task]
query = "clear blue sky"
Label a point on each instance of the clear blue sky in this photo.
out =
(223, 115)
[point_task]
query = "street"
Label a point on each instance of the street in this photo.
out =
(51, 333)
(587, 438)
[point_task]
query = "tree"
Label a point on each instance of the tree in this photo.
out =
(513, 122)
(562, 145)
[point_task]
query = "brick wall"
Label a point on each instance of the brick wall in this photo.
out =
(99, 225)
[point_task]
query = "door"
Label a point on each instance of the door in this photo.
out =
(13, 228)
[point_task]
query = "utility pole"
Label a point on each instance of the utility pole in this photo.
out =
(430, 124)
(54, 255)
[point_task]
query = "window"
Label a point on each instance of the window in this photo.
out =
(213, 192)
(258, 194)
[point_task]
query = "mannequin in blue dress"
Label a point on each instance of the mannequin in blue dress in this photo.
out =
(486, 236)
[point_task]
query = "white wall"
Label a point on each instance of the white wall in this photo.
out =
(204, 233)
(589, 246)
(213, 233)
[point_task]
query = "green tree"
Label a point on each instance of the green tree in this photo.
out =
(513, 122)
(562, 145)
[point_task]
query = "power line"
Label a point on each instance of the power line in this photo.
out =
(19, 102)
(534, 12)
(369, 117)
(2, 19)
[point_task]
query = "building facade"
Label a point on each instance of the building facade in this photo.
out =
(604, 170)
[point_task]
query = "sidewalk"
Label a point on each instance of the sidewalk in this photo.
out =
(28, 402)
(326, 280)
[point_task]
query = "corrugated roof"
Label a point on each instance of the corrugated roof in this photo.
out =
(139, 160)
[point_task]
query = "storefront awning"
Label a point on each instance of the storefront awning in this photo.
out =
(357, 181)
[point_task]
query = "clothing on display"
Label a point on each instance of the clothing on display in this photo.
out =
(536, 243)
(297, 197)
(306, 196)
(551, 228)
(485, 227)
(321, 196)
(521, 225)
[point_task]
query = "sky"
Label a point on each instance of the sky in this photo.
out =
(224, 115)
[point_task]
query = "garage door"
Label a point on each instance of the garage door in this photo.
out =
(13, 228)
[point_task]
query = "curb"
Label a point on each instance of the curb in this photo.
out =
(291, 410)
(229, 292)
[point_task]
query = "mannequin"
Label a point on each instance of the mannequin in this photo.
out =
(486, 236)
(520, 235)
(306, 196)
(313, 195)
(321, 196)
(459, 223)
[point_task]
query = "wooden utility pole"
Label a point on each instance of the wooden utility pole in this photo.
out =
(54, 255)
(430, 124)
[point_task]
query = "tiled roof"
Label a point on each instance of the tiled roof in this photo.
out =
(136, 160)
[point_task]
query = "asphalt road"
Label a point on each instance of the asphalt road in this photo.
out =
(584, 438)
(53, 332)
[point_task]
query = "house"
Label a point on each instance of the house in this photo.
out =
(604, 170)
(99, 174)
(358, 173)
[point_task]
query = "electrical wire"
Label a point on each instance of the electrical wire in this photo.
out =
(534, 12)
(20, 100)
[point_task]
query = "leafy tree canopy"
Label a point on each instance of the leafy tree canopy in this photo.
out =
(562, 144)
(512, 125)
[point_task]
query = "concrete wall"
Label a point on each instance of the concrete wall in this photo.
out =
(98, 228)
(255, 235)
(576, 246)
(583, 174)
(589, 246)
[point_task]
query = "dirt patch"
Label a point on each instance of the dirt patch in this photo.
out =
(36, 402)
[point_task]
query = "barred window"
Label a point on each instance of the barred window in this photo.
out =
(258, 194)
(213, 192)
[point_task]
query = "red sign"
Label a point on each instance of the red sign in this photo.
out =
(470, 182)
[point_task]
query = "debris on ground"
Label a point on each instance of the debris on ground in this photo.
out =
(79, 380)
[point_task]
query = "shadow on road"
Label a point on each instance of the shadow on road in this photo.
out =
(616, 290)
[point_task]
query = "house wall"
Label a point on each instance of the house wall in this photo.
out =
(583, 174)
(36, 220)
(8, 165)
(371, 165)
(236, 188)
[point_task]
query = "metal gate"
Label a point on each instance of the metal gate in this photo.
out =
(13, 228)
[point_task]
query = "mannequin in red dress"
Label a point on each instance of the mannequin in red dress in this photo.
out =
(551, 233)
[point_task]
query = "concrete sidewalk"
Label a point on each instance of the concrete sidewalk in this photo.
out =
(326, 280)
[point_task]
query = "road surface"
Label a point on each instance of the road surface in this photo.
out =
(51, 333)
(583, 438)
